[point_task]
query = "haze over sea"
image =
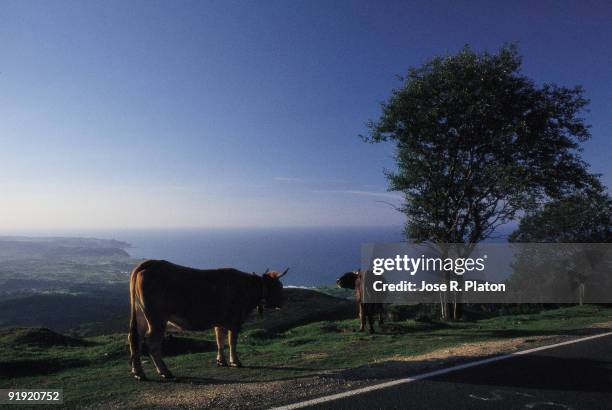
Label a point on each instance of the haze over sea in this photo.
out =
(316, 256)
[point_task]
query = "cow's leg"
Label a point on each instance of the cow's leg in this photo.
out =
(381, 315)
(233, 339)
(155, 337)
(371, 322)
(136, 340)
(220, 337)
(362, 318)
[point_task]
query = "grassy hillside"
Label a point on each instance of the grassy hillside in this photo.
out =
(91, 310)
(301, 306)
(335, 291)
(66, 309)
(60, 312)
(274, 348)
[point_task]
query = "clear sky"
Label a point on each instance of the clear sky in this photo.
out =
(213, 113)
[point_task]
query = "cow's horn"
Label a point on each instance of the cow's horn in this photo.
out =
(284, 273)
(267, 270)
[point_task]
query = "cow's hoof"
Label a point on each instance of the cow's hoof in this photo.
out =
(221, 363)
(235, 364)
(166, 375)
(139, 376)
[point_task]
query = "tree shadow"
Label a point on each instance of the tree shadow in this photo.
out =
(532, 371)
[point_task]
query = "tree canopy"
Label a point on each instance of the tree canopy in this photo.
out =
(583, 217)
(478, 143)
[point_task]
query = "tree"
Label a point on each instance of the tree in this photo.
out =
(582, 218)
(477, 144)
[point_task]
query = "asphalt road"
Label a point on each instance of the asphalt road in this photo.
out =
(575, 376)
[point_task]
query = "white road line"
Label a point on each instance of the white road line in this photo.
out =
(406, 380)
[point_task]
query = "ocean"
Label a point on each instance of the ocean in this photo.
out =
(315, 256)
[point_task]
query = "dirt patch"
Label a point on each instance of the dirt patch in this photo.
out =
(602, 325)
(314, 356)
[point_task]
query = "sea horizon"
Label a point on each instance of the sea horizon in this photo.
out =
(316, 256)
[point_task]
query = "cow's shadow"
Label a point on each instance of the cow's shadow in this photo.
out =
(197, 380)
(297, 369)
(191, 380)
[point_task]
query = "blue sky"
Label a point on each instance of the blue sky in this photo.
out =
(215, 113)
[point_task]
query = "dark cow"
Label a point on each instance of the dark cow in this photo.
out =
(352, 280)
(193, 299)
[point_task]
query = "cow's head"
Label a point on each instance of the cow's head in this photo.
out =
(273, 289)
(347, 280)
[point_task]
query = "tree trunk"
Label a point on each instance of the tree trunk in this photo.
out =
(443, 307)
(457, 305)
(458, 310)
(445, 300)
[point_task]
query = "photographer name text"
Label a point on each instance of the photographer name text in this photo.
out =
(453, 286)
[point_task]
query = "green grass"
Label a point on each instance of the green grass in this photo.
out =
(97, 370)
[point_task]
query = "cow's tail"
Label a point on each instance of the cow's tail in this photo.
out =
(133, 332)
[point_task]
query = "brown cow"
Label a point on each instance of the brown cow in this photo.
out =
(193, 299)
(352, 280)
